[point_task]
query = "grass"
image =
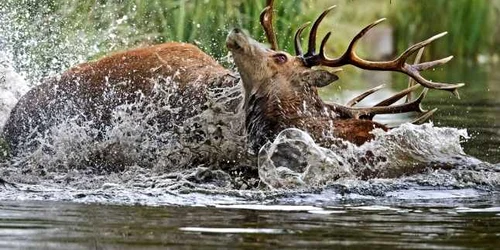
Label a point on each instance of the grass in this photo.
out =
(203, 22)
(48, 36)
(472, 26)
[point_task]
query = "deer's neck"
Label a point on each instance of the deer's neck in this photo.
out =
(267, 114)
(259, 124)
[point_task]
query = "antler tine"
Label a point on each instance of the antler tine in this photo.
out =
(266, 20)
(408, 52)
(424, 117)
(414, 70)
(396, 97)
(350, 49)
(421, 119)
(298, 34)
(389, 101)
(363, 95)
(311, 51)
(411, 81)
(321, 55)
(369, 113)
(349, 56)
(432, 64)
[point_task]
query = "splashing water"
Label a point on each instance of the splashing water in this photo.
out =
(203, 158)
(434, 154)
(12, 87)
(136, 159)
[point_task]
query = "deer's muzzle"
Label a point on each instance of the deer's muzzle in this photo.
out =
(236, 40)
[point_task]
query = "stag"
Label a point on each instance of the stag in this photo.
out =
(280, 90)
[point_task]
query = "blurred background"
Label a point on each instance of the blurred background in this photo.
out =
(47, 36)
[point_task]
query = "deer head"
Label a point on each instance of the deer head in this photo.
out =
(278, 87)
(281, 89)
(268, 71)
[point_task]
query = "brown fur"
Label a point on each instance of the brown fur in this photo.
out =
(281, 92)
(129, 74)
(276, 96)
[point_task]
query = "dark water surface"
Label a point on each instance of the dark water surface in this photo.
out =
(478, 110)
(443, 224)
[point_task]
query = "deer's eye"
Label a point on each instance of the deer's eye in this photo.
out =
(280, 58)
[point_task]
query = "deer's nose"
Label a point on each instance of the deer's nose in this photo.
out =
(236, 30)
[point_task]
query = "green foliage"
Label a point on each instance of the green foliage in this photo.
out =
(203, 22)
(471, 25)
(48, 36)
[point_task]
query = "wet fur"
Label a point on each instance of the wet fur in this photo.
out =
(282, 92)
(269, 114)
(92, 90)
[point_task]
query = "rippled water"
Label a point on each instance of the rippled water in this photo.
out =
(434, 186)
(461, 223)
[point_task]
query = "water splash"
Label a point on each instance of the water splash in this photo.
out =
(294, 160)
(12, 87)
(43, 39)
(157, 133)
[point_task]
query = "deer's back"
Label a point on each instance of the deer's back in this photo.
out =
(93, 89)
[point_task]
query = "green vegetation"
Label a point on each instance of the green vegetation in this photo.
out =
(472, 26)
(203, 22)
(47, 36)
(50, 35)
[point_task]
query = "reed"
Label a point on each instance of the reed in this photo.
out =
(472, 26)
(202, 22)
(47, 36)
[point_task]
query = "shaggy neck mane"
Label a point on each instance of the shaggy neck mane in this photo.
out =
(267, 113)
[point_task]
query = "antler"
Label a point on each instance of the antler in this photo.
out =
(384, 107)
(266, 20)
(311, 58)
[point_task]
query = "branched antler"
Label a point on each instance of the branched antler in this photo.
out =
(363, 95)
(384, 107)
(311, 58)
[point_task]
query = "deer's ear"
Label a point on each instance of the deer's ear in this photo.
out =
(319, 78)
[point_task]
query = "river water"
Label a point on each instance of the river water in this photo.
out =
(438, 189)
(460, 223)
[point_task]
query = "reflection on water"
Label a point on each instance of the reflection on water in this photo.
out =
(478, 110)
(443, 224)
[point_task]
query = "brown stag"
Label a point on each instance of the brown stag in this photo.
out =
(280, 90)
(92, 90)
